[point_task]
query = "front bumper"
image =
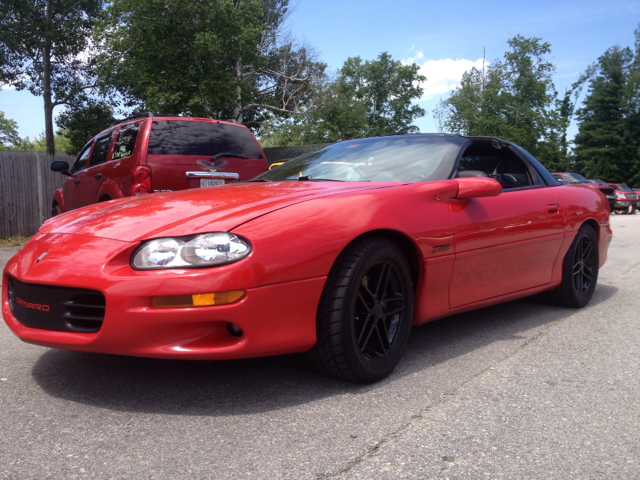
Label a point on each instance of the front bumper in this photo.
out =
(274, 319)
(626, 204)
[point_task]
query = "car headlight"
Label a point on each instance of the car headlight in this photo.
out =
(206, 250)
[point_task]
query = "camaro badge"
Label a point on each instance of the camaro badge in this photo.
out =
(41, 257)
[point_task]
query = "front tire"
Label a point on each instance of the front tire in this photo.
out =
(365, 313)
(579, 271)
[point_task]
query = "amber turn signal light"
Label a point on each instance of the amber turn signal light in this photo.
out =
(197, 300)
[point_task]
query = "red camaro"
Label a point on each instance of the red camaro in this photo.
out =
(335, 254)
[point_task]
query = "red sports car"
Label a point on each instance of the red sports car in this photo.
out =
(335, 254)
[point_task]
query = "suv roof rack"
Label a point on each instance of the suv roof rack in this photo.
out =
(131, 117)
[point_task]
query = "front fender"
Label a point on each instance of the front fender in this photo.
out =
(303, 240)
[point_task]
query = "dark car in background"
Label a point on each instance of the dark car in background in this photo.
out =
(577, 179)
(145, 154)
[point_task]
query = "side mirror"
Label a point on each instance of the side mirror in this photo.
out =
(474, 187)
(59, 166)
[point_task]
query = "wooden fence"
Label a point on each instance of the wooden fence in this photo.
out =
(27, 185)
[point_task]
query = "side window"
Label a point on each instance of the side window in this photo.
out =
(482, 159)
(101, 150)
(126, 141)
(81, 161)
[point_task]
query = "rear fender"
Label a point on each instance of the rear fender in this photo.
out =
(109, 188)
(58, 199)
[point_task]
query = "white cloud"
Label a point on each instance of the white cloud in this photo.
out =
(6, 87)
(442, 75)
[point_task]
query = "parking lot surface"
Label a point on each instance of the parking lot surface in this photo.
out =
(519, 390)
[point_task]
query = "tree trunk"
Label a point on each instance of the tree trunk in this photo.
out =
(237, 107)
(46, 87)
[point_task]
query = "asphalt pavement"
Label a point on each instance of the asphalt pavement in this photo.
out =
(522, 390)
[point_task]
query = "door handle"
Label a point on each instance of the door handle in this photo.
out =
(553, 207)
(97, 176)
(76, 181)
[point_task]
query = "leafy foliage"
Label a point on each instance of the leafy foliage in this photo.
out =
(213, 58)
(39, 144)
(8, 131)
(367, 98)
(78, 124)
(43, 48)
(608, 141)
(599, 143)
(514, 99)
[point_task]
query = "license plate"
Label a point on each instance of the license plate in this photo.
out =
(211, 182)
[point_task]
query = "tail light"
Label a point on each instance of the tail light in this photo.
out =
(141, 181)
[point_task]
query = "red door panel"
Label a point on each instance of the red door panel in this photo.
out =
(499, 238)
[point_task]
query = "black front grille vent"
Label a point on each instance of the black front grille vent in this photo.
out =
(56, 308)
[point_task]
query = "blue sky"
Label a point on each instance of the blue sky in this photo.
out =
(445, 38)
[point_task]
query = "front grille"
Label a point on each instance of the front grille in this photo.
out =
(632, 196)
(56, 308)
(607, 191)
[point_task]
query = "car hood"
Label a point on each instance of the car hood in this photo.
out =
(193, 211)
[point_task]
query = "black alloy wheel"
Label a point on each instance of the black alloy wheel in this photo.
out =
(365, 313)
(378, 311)
(579, 271)
(584, 267)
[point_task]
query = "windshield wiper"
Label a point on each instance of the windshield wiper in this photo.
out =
(227, 154)
(309, 178)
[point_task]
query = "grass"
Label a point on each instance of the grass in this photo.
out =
(13, 241)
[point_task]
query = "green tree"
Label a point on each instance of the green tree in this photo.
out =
(79, 123)
(367, 98)
(515, 99)
(599, 144)
(631, 138)
(42, 48)
(212, 58)
(8, 132)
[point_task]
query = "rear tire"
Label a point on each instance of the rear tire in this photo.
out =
(365, 313)
(579, 271)
(55, 211)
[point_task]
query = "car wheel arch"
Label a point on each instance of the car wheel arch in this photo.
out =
(593, 224)
(406, 245)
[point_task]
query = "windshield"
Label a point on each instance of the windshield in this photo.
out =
(624, 187)
(575, 178)
(414, 158)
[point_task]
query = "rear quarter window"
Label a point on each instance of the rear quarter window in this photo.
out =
(179, 137)
(126, 141)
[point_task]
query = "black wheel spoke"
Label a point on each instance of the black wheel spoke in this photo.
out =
(384, 344)
(395, 311)
(366, 289)
(383, 280)
(362, 344)
(364, 303)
